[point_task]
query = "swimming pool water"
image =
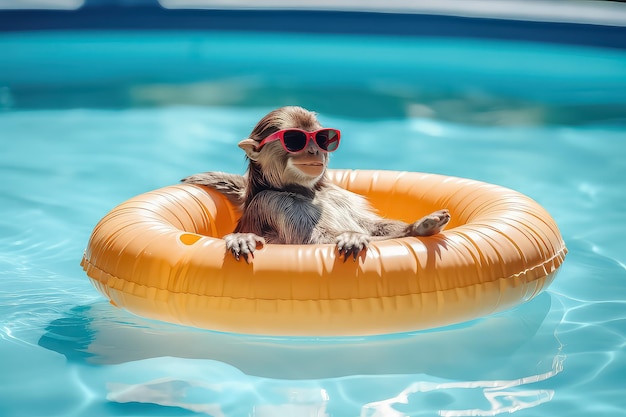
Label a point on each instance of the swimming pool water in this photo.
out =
(72, 152)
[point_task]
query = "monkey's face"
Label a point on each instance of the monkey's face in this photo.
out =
(278, 166)
(282, 168)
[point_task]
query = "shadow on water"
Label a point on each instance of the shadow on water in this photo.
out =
(101, 334)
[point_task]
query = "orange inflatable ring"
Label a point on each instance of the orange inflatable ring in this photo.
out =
(160, 255)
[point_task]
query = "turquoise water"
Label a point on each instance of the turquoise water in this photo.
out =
(548, 121)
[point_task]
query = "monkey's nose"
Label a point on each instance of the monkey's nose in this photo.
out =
(313, 149)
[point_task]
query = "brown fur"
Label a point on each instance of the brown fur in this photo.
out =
(282, 204)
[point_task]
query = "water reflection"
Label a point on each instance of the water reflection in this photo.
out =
(485, 367)
(101, 334)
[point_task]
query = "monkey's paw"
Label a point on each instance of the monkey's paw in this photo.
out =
(243, 245)
(430, 225)
(351, 244)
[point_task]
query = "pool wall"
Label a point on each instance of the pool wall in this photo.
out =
(135, 53)
(149, 15)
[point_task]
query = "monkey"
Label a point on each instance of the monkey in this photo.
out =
(285, 196)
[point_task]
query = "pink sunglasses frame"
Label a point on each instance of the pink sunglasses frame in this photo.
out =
(280, 135)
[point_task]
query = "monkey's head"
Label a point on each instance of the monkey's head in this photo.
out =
(289, 147)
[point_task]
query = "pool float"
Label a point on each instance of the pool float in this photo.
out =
(160, 255)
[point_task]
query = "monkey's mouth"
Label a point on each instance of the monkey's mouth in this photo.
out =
(313, 168)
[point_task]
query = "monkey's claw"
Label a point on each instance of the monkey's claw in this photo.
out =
(243, 245)
(351, 244)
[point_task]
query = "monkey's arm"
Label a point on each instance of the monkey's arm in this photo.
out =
(231, 185)
(427, 226)
(247, 236)
(255, 226)
(351, 244)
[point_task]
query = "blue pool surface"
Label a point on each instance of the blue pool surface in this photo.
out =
(88, 120)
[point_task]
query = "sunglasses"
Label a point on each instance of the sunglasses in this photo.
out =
(296, 140)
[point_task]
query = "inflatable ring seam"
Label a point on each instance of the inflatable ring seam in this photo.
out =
(559, 256)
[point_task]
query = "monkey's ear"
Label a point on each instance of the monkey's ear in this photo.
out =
(250, 148)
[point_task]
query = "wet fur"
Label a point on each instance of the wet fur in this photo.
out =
(282, 205)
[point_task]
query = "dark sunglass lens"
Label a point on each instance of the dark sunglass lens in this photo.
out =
(327, 140)
(294, 140)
